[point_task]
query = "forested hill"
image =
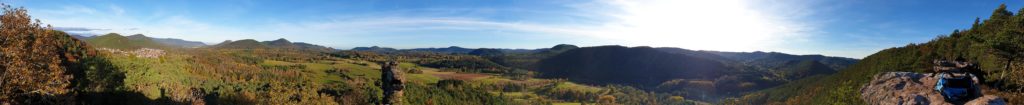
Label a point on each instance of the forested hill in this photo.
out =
(775, 59)
(447, 50)
(702, 75)
(640, 66)
(117, 41)
(275, 44)
(766, 61)
(996, 44)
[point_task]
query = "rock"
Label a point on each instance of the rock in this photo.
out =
(392, 83)
(904, 88)
(988, 100)
(907, 88)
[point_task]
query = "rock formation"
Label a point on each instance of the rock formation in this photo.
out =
(392, 81)
(907, 88)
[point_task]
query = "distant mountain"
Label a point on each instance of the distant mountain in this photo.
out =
(275, 44)
(165, 42)
(521, 58)
(638, 66)
(774, 59)
(375, 49)
(284, 43)
(447, 50)
(451, 49)
(179, 42)
(81, 37)
(556, 49)
(773, 63)
(116, 41)
(710, 75)
(241, 44)
(308, 46)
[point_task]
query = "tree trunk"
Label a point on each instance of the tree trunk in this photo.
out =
(1002, 75)
(1006, 68)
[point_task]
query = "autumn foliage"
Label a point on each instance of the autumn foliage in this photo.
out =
(34, 60)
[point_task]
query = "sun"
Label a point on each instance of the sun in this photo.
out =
(723, 25)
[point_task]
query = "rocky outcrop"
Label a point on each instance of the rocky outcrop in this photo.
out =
(988, 100)
(392, 83)
(907, 88)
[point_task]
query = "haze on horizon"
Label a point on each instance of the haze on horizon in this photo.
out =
(835, 28)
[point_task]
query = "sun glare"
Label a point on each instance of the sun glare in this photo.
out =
(726, 25)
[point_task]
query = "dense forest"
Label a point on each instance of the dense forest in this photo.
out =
(700, 75)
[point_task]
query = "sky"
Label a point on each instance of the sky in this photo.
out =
(846, 28)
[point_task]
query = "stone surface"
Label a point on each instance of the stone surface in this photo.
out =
(907, 88)
(392, 83)
(988, 100)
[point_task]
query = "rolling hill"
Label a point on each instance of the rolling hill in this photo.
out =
(275, 44)
(638, 66)
(241, 44)
(139, 40)
(179, 42)
(450, 49)
(116, 41)
(775, 59)
(703, 75)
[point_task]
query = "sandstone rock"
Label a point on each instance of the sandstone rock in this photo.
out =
(988, 100)
(392, 83)
(907, 88)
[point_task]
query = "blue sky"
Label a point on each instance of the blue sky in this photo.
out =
(848, 28)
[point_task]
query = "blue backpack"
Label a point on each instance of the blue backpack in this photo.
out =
(957, 88)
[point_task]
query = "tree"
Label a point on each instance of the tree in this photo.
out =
(30, 69)
(1007, 46)
(977, 23)
(1001, 12)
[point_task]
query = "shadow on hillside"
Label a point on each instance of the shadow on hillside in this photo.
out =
(97, 81)
(96, 73)
(123, 98)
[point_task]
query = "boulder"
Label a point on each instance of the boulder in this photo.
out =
(907, 88)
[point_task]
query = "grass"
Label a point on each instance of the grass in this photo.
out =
(574, 86)
(567, 103)
(151, 76)
(273, 62)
